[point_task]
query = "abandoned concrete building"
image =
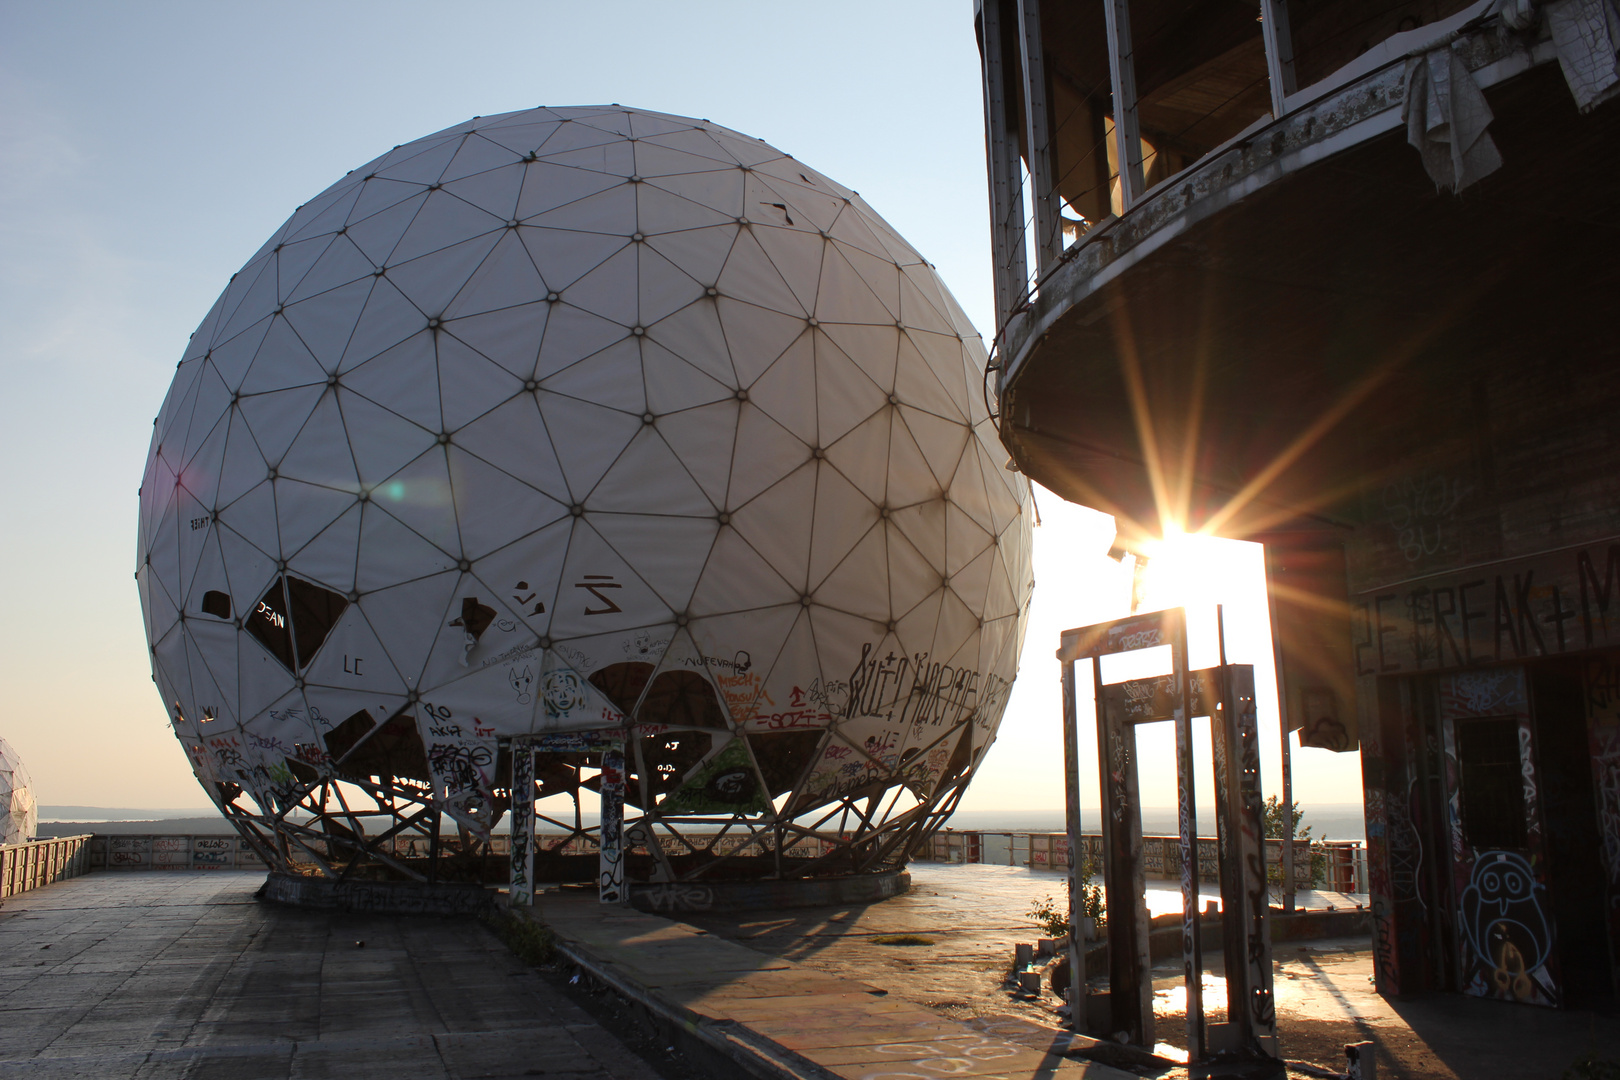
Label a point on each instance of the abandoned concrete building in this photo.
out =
(1338, 278)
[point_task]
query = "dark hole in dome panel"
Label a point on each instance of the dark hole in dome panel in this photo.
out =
(623, 682)
(315, 611)
(217, 604)
(341, 739)
(683, 699)
(269, 623)
(669, 757)
(726, 784)
(735, 785)
(783, 757)
(293, 618)
(558, 774)
(475, 617)
(395, 750)
(503, 768)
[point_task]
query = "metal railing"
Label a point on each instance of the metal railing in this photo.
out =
(1345, 869)
(41, 862)
(1033, 230)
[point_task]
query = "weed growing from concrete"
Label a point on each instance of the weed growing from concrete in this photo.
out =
(1090, 904)
(530, 940)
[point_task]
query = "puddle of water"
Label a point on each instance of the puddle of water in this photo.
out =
(1173, 999)
(1170, 1053)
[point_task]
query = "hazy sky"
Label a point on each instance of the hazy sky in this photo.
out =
(149, 149)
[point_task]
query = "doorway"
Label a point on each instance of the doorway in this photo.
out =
(1575, 880)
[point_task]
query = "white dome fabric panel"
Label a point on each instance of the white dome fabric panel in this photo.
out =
(570, 388)
(19, 817)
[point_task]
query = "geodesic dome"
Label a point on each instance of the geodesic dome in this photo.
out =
(575, 419)
(19, 818)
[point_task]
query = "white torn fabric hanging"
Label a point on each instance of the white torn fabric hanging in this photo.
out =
(1517, 14)
(1446, 116)
(1586, 34)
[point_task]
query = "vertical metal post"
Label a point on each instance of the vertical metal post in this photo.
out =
(611, 887)
(434, 843)
(1253, 994)
(1191, 944)
(1130, 964)
(1006, 182)
(522, 854)
(1077, 855)
(1283, 726)
(1279, 51)
(1236, 848)
(1037, 138)
(1127, 129)
(1289, 888)
(1228, 840)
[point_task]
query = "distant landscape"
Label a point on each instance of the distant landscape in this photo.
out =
(76, 820)
(1332, 821)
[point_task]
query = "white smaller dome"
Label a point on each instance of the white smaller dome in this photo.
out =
(19, 819)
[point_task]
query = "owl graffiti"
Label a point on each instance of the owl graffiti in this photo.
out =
(1504, 923)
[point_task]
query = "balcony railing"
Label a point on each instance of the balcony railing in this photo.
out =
(41, 862)
(1096, 107)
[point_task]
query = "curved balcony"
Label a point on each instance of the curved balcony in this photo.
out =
(1313, 307)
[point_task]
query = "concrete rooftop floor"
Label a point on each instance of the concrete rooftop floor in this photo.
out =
(975, 913)
(185, 974)
(153, 974)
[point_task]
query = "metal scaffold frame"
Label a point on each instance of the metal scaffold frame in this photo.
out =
(1225, 694)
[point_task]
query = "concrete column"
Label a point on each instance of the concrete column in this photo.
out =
(1077, 852)
(612, 889)
(522, 854)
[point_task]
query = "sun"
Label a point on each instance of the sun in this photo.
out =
(1197, 571)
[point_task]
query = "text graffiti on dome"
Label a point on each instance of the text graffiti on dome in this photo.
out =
(910, 691)
(595, 584)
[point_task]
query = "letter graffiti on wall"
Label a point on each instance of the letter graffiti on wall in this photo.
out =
(1545, 605)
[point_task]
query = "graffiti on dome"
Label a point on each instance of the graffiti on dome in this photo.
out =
(912, 691)
(598, 585)
(562, 692)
